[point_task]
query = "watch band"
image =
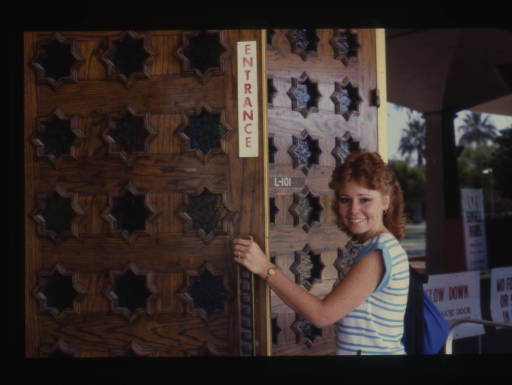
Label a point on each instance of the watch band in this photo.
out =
(270, 272)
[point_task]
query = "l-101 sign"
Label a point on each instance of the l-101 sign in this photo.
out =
(247, 99)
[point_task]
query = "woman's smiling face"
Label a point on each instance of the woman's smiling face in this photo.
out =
(361, 210)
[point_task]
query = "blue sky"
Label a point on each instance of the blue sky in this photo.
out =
(397, 120)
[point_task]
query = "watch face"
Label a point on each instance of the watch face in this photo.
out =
(270, 273)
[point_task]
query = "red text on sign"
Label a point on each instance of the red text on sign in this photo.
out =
(248, 115)
(436, 294)
(458, 292)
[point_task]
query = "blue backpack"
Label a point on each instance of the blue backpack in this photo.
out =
(425, 329)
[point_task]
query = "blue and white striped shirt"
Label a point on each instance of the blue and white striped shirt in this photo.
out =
(377, 325)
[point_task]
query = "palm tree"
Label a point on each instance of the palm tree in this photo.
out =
(476, 128)
(413, 139)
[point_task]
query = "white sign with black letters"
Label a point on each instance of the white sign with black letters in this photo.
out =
(474, 228)
(457, 296)
(501, 294)
(247, 99)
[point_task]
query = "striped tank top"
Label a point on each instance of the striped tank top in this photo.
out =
(377, 325)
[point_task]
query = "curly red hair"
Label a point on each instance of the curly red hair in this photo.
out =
(370, 171)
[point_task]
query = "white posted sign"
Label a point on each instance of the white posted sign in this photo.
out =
(474, 228)
(501, 294)
(247, 99)
(457, 296)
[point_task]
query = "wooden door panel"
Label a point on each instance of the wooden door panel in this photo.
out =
(179, 266)
(100, 335)
(321, 106)
(153, 95)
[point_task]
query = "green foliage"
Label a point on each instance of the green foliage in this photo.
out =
(501, 162)
(477, 129)
(413, 139)
(412, 181)
(471, 164)
(488, 166)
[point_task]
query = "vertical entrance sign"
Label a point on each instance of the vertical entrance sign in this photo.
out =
(474, 228)
(247, 99)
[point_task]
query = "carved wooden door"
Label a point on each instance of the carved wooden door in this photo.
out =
(321, 105)
(133, 191)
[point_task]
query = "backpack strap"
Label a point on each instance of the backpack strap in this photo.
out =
(414, 322)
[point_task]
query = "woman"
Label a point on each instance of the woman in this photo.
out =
(368, 301)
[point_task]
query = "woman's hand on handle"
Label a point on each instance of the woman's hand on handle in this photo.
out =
(249, 254)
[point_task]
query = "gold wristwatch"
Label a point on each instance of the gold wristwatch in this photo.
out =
(270, 272)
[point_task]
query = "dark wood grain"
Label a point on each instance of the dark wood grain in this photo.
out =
(160, 94)
(167, 173)
(252, 205)
(32, 258)
(169, 334)
(287, 237)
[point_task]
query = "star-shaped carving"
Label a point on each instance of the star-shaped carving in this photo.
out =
(57, 61)
(345, 259)
(132, 349)
(272, 149)
(341, 264)
(271, 91)
(307, 267)
(306, 333)
(346, 99)
(345, 46)
(129, 135)
(305, 152)
(304, 95)
(58, 291)
(60, 349)
(270, 36)
(344, 146)
(58, 214)
(57, 136)
(205, 292)
(205, 214)
(130, 212)
(133, 292)
(204, 132)
(128, 57)
(203, 54)
(306, 209)
(303, 42)
(273, 210)
(275, 330)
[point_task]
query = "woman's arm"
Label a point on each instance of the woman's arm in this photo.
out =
(362, 279)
